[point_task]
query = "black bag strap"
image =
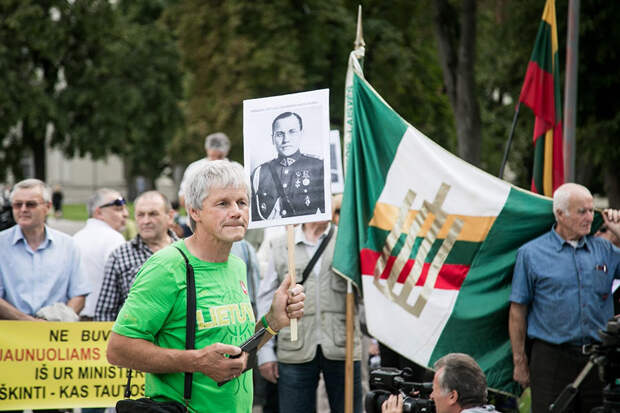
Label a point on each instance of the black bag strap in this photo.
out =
(283, 197)
(317, 254)
(190, 328)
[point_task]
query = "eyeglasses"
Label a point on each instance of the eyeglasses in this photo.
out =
(29, 204)
(118, 202)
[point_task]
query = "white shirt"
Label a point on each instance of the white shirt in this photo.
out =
(96, 241)
(269, 284)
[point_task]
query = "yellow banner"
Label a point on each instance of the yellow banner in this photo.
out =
(52, 365)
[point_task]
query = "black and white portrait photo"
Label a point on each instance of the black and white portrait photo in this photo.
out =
(286, 155)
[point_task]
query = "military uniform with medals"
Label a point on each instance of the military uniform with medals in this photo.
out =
(301, 178)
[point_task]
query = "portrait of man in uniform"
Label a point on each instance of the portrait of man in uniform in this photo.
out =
(286, 155)
(292, 183)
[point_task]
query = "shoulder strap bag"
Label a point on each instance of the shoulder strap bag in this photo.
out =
(146, 404)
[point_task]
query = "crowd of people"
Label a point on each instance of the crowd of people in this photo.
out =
(561, 295)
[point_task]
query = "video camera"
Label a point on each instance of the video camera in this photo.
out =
(606, 356)
(387, 380)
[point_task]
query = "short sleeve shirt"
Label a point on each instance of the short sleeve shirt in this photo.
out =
(567, 289)
(155, 310)
(31, 280)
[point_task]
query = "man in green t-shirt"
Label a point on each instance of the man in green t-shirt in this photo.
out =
(149, 333)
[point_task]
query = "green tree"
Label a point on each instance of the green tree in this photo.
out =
(89, 80)
(241, 50)
(455, 25)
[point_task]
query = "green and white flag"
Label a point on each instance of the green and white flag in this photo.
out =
(430, 240)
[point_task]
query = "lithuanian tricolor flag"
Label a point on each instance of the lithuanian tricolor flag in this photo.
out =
(541, 92)
(430, 240)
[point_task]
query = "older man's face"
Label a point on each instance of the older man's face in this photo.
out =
(286, 135)
(112, 214)
(224, 214)
(577, 222)
(445, 402)
(152, 219)
(29, 209)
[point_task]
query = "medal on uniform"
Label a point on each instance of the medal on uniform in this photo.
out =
(306, 176)
(307, 201)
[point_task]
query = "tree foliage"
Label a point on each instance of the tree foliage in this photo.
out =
(90, 80)
(241, 50)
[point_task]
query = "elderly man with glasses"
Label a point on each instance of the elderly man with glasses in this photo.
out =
(102, 234)
(39, 266)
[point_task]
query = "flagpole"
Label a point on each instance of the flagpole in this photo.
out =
(570, 90)
(350, 300)
(509, 142)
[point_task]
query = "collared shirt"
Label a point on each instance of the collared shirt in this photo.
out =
(269, 284)
(31, 280)
(119, 273)
(96, 242)
(567, 289)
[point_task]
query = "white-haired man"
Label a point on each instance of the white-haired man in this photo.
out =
(149, 333)
(217, 146)
(107, 215)
(561, 297)
(39, 266)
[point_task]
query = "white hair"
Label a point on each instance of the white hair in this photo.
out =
(97, 199)
(46, 192)
(561, 197)
(215, 174)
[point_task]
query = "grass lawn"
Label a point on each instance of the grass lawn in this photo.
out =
(77, 212)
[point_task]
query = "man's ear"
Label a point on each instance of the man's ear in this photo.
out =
(194, 214)
(453, 397)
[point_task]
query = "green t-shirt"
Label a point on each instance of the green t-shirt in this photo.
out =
(155, 310)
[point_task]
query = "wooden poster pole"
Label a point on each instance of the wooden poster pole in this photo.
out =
(348, 362)
(290, 231)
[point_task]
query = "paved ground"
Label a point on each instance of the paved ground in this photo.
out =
(64, 225)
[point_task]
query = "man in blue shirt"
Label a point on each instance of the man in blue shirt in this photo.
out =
(39, 266)
(561, 296)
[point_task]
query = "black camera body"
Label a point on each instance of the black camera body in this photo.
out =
(385, 381)
(607, 357)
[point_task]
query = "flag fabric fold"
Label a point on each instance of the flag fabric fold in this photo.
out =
(430, 240)
(541, 93)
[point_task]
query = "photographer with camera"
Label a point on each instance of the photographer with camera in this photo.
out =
(459, 385)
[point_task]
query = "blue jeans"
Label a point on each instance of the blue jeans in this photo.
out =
(298, 382)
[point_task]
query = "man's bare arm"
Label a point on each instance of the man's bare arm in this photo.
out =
(77, 303)
(145, 356)
(517, 329)
(8, 312)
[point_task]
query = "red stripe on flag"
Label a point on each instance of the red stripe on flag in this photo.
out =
(537, 93)
(451, 276)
